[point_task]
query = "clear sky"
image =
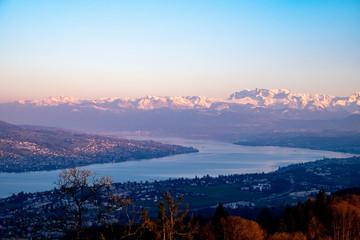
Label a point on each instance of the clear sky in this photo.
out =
(93, 49)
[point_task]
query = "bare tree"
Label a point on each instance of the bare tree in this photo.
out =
(80, 190)
(133, 222)
(170, 222)
(88, 201)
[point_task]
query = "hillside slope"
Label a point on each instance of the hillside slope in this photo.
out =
(29, 148)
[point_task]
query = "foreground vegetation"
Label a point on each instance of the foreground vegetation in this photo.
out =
(89, 209)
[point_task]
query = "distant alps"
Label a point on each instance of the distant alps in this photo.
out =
(263, 98)
(243, 114)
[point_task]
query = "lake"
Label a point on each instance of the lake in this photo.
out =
(214, 158)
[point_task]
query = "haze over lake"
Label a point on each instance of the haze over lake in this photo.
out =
(214, 158)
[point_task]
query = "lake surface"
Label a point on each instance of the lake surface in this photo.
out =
(214, 158)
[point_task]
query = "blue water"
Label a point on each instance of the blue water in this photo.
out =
(214, 158)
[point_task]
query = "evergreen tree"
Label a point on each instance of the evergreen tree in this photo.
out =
(219, 214)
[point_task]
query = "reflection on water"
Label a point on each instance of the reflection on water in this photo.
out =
(214, 158)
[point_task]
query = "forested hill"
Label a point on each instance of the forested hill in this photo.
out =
(30, 148)
(338, 141)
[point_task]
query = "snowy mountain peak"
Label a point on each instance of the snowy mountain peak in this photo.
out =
(284, 98)
(256, 98)
(54, 101)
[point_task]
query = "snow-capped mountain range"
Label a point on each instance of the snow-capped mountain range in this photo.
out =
(244, 113)
(258, 98)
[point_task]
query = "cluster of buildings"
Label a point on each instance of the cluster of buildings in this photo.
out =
(294, 183)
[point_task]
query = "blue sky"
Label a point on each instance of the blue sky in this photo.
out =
(92, 49)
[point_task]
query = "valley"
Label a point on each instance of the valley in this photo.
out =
(271, 163)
